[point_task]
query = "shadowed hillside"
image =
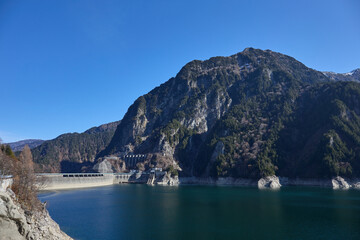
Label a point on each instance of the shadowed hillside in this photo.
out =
(73, 151)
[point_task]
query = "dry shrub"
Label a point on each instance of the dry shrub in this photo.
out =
(24, 181)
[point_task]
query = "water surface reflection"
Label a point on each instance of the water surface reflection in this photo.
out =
(206, 212)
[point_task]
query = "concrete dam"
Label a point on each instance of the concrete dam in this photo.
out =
(56, 181)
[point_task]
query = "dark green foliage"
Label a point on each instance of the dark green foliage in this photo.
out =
(253, 123)
(6, 149)
(336, 156)
(173, 172)
(324, 135)
(138, 140)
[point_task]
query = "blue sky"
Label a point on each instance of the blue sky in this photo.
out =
(66, 66)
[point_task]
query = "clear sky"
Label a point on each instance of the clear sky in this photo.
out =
(67, 65)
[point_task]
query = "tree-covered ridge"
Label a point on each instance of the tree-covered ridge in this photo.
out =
(67, 152)
(19, 145)
(323, 138)
(315, 134)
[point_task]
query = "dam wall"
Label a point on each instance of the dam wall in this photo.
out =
(57, 181)
(132, 177)
(73, 180)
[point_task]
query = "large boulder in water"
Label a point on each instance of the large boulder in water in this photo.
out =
(340, 183)
(272, 182)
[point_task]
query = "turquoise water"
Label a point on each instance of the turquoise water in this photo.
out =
(204, 212)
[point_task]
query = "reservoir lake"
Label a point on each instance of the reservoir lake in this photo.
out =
(135, 211)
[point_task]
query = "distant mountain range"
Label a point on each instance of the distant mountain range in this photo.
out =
(351, 76)
(255, 113)
(19, 145)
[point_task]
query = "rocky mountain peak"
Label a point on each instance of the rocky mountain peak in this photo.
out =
(350, 76)
(252, 114)
(213, 100)
(355, 74)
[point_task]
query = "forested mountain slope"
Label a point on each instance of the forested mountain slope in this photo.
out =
(73, 152)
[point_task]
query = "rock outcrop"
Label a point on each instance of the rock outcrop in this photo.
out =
(17, 224)
(356, 185)
(5, 183)
(103, 167)
(340, 183)
(271, 182)
(167, 179)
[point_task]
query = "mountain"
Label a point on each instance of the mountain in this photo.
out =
(252, 114)
(19, 145)
(350, 76)
(255, 113)
(73, 152)
(322, 138)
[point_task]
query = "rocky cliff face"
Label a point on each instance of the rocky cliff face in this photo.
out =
(17, 224)
(73, 152)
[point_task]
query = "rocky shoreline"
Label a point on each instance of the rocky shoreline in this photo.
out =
(18, 224)
(271, 182)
